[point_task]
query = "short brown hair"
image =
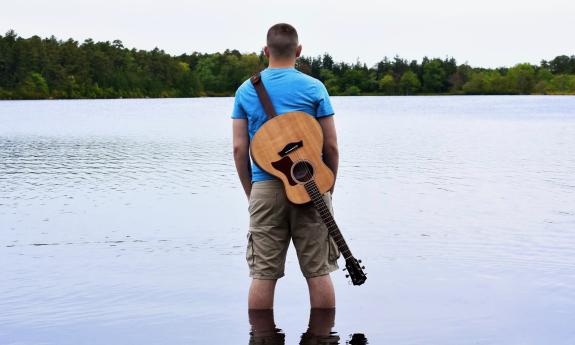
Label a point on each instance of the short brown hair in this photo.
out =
(282, 40)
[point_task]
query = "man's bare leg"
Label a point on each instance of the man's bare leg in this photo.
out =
(262, 321)
(261, 294)
(321, 321)
(321, 293)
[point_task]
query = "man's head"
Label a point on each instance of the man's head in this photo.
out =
(282, 42)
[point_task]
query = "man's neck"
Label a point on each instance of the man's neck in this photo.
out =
(273, 63)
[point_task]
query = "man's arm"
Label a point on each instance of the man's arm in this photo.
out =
(241, 144)
(330, 150)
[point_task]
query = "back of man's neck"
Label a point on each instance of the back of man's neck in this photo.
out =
(281, 63)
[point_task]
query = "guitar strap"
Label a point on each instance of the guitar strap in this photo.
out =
(263, 95)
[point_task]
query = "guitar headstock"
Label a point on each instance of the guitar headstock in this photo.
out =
(355, 271)
(357, 339)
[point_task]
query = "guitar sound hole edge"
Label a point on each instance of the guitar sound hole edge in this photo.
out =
(300, 171)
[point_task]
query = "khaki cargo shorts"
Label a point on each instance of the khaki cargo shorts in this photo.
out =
(274, 221)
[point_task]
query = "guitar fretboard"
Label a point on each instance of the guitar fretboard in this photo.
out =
(327, 218)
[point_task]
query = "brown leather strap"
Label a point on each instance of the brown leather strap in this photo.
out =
(263, 95)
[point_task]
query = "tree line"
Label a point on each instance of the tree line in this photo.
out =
(44, 68)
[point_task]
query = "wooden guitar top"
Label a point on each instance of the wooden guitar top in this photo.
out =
(285, 140)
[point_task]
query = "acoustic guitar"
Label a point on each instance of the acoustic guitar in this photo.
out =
(289, 147)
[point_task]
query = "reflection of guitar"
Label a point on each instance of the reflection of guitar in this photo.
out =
(290, 147)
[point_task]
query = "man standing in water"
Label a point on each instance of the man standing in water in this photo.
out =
(274, 221)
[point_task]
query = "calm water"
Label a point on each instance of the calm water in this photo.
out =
(122, 222)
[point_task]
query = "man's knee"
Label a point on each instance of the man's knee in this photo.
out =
(321, 292)
(261, 295)
(264, 283)
(320, 281)
(263, 288)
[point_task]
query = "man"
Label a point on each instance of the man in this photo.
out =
(273, 219)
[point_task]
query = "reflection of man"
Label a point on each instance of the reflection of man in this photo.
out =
(273, 220)
(321, 322)
(264, 329)
(319, 331)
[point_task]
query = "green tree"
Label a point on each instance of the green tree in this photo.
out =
(485, 83)
(387, 84)
(5, 94)
(434, 77)
(521, 78)
(544, 74)
(542, 87)
(477, 84)
(330, 80)
(461, 76)
(409, 83)
(33, 87)
(352, 91)
(562, 84)
(562, 65)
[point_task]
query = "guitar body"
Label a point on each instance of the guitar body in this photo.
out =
(289, 147)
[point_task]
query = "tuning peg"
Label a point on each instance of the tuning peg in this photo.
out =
(345, 269)
(363, 267)
(347, 275)
(359, 261)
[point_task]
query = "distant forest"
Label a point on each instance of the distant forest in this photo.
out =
(37, 68)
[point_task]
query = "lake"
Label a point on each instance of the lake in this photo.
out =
(123, 222)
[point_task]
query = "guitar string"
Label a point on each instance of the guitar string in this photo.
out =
(316, 191)
(311, 178)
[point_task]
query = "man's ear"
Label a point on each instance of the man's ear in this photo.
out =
(267, 52)
(298, 51)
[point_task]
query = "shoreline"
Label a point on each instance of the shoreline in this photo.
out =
(231, 96)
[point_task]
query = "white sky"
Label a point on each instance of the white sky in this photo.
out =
(486, 33)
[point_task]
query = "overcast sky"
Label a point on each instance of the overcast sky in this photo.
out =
(487, 33)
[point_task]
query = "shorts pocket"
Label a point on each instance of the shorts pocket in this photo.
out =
(250, 257)
(333, 249)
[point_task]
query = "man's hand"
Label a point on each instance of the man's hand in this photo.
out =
(330, 150)
(241, 144)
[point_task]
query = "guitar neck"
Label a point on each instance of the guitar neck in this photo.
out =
(327, 218)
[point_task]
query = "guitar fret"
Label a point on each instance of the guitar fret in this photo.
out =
(327, 218)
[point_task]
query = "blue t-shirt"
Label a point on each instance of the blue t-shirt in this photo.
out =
(289, 90)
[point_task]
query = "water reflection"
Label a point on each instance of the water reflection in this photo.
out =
(264, 330)
(319, 331)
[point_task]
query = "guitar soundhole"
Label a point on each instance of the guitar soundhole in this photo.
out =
(302, 171)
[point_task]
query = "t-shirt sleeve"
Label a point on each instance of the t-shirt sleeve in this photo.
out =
(238, 112)
(323, 107)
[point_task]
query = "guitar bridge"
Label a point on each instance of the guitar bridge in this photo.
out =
(289, 148)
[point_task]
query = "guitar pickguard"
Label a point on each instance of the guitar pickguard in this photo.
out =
(284, 165)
